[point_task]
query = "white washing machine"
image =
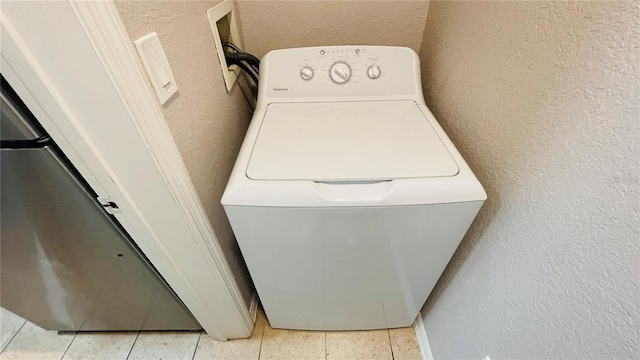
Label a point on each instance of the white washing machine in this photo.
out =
(347, 198)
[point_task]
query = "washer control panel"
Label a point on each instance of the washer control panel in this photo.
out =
(341, 71)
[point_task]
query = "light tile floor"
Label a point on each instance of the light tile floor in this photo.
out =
(20, 339)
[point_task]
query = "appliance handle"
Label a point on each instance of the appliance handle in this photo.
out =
(354, 191)
(40, 142)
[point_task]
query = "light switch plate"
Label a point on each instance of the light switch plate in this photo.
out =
(157, 66)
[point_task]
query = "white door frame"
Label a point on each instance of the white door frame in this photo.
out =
(73, 64)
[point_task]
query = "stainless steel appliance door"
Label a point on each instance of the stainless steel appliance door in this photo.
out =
(65, 265)
(14, 117)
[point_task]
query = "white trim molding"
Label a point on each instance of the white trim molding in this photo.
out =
(421, 335)
(104, 27)
(133, 159)
(253, 309)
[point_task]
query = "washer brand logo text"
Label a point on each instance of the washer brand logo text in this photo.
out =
(280, 89)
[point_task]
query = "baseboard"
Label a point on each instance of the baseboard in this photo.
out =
(423, 342)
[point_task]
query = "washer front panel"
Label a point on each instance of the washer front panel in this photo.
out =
(347, 268)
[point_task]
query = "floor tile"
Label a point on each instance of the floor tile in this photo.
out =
(404, 344)
(209, 348)
(289, 344)
(35, 343)
(10, 323)
(103, 346)
(164, 345)
(354, 345)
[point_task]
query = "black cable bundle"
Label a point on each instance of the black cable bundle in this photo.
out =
(247, 62)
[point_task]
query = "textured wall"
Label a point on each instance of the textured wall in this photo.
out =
(269, 25)
(542, 99)
(207, 124)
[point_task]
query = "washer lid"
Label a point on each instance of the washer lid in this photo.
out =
(348, 141)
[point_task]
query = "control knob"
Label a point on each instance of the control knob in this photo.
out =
(373, 72)
(306, 73)
(340, 72)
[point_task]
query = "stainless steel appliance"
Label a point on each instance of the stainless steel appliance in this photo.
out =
(65, 263)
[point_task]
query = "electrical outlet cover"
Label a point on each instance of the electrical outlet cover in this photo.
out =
(226, 12)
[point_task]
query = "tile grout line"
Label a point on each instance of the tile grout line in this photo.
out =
(13, 337)
(195, 350)
(325, 345)
(264, 326)
(134, 344)
(391, 344)
(69, 346)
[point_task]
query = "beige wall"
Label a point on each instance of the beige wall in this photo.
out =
(542, 99)
(207, 124)
(269, 25)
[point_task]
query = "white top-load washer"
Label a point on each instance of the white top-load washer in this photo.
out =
(347, 198)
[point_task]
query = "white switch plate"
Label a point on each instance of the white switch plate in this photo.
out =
(155, 62)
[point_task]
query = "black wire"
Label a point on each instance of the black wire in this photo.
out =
(244, 67)
(230, 45)
(249, 59)
(239, 55)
